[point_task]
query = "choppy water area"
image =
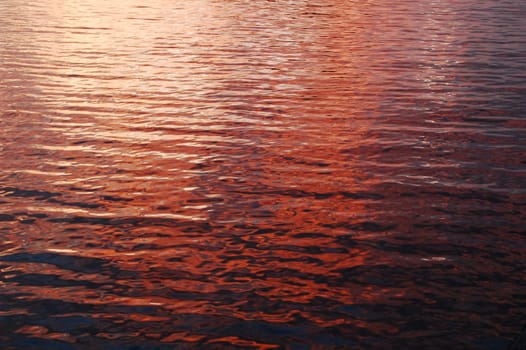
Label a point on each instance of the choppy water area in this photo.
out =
(262, 174)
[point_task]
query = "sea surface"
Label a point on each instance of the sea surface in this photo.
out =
(288, 174)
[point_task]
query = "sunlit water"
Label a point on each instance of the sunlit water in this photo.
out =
(262, 174)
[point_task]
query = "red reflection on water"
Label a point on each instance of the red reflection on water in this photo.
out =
(219, 173)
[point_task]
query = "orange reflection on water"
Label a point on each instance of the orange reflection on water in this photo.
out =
(191, 171)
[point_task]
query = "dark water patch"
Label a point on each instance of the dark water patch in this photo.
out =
(363, 226)
(76, 204)
(68, 262)
(309, 235)
(38, 195)
(116, 199)
(7, 217)
(33, 279)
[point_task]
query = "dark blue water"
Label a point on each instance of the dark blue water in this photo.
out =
(239, 174)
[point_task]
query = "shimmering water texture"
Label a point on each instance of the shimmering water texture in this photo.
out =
(296, 174)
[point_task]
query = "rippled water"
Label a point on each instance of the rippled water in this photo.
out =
(287, 174)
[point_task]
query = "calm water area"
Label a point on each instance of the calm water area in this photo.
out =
(288, 174)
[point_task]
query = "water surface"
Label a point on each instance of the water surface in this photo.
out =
(262, 174)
